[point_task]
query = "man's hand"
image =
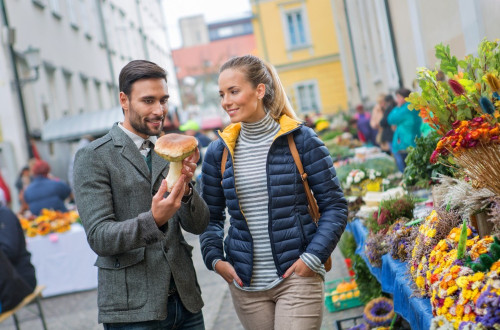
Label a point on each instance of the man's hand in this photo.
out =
(188, 168)
(226, 270)
(164, 208)
(300, 268)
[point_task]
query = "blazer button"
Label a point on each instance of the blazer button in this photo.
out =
(117, 264)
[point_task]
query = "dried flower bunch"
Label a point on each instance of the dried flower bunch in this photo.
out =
(376, 246)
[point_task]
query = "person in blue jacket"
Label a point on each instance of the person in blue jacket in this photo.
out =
(45, 193)
(407, 124)
(273, 254)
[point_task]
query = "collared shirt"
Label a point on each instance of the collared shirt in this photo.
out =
(139, 141)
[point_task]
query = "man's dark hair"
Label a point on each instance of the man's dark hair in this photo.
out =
(404, 92)
(136, 70)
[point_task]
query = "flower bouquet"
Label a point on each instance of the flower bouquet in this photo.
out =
(379, 312)
(464, 110)
(49, 221)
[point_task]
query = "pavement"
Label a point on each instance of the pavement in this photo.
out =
(78, 311)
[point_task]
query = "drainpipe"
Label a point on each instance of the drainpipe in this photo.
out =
(355, 63)
(261, 28)
(18, 84)
(106, 46)
(141, 30)
(393, 42)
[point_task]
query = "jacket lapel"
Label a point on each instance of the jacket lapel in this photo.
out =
(129, 151)
(159, 165)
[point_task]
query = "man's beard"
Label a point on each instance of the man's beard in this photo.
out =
(140, 125)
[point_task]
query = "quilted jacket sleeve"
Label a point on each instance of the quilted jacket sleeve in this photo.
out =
(211, 241)
(325, 185)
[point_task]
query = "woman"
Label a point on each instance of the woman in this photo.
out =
(273, 254)
(407, 128)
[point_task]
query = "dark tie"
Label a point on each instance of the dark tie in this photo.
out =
(148, 144)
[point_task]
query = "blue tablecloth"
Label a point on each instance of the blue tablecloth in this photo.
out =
(394, 280)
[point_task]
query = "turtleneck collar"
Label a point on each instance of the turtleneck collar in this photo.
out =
(259, 128)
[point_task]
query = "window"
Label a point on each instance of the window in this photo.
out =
(84, 14)
(55, 7)
(296, 28)
(72, 13)
(308, 97)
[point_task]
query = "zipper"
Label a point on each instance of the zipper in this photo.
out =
(269, 226)
(236, 190)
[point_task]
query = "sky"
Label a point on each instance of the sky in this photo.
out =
(213, 10)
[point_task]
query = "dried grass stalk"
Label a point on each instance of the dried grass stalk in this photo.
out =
(482, 163)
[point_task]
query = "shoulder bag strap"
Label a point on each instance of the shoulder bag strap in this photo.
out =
(313, 204)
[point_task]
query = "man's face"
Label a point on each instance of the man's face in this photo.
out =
(146, 107)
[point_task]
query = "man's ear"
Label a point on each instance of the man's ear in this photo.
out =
(261, 91)
(124, 101)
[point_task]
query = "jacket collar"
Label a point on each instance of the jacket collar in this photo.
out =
(230, 134)
(130, 152)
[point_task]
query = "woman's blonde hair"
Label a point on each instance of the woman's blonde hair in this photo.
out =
(257, 71)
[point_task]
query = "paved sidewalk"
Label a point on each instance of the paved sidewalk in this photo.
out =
(78, 311)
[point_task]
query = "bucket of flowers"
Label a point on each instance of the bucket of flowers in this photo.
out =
(464, 110)
(360, 181)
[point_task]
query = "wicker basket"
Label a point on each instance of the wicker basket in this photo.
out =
(482, 164)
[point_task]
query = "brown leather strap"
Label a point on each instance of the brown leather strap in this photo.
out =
(312, 203)
(223, 163)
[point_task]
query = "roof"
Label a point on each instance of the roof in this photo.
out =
(205, 59)
(70, 128)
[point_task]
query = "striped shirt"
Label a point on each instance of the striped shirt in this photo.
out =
(250, 158)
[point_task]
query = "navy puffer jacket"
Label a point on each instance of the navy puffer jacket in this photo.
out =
(291, 229)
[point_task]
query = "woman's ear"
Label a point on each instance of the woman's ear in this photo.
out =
(261, 91)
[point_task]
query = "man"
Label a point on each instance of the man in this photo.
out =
(146, 275)
(44, 192)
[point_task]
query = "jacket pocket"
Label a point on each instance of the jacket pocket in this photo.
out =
(300, 226)
(122, 281)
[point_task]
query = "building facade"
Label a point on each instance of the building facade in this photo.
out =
(299, 38)
(82, 46)
(197, 66)
(383, 42)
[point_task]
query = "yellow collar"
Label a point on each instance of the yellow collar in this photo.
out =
(231, 132)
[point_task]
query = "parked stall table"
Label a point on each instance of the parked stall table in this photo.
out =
(64, 262)
(395, 280)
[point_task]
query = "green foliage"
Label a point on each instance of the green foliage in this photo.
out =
(347, 245)
(327, 135)
(369, 287)
(437, 103)
(419, 171)
(338, 151)
(391, 210)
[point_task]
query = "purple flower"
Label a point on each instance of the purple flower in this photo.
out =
(455, 124)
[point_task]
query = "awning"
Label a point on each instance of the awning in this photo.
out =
(74, 127)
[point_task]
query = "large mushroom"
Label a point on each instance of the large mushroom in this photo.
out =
(174, 148)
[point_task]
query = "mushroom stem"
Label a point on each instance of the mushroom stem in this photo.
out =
(174, 172)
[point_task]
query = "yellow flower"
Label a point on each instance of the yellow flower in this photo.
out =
(451, 290)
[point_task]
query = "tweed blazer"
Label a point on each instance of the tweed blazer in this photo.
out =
(113, 193)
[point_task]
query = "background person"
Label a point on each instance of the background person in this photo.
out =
(272, 257)
(387, 133)
(407, 128)
(146, 275)
(17, 274)
(43, 192)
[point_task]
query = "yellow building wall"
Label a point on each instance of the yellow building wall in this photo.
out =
(270, 37)
(331, 85)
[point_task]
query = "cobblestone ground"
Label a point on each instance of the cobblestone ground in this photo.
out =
(78, 311)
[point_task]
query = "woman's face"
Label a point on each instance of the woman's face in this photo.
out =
(400, 100)
(241, 101)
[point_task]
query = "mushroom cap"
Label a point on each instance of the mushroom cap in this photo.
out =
(175, 147)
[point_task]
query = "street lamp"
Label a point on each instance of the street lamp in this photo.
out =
(32, 58)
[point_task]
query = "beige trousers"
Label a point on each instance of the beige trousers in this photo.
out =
(294, 304)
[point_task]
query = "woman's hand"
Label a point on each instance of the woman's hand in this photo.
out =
(300, 268)
(226, 270)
